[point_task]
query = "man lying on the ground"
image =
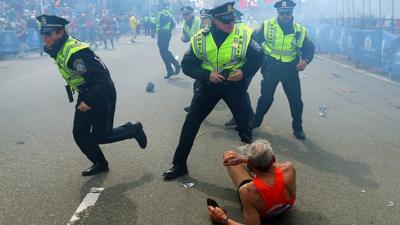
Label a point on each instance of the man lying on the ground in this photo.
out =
(269, 190)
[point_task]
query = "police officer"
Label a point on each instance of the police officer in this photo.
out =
(222, 58)
(191, 24)
(153, 25)
(86, 74)
(288, 50)
(205, 18)
(165, 26)
(239, 21)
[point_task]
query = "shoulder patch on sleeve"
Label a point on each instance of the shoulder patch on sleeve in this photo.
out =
(255, 46)
(79, 65)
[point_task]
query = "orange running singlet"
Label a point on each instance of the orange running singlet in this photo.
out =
(274, 195)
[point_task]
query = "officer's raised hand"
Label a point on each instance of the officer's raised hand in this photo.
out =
(83, 107)
(301, 65)
(216, 78)
(237, 76)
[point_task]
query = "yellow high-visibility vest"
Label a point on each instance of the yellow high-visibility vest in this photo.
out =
(280, 46)
(230, 55)
(72, 77)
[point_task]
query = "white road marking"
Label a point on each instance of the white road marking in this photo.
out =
(373, 75)
(88, 201)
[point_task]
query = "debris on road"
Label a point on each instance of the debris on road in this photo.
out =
(150, 87)
(335, 75)
(20, 143)
(201, 134)
(390, 204)
(363, 191)
(323, 110)
(188, 185)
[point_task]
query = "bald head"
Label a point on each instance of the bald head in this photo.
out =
(260, 155)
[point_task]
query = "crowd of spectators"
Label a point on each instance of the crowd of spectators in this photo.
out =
(88, 21)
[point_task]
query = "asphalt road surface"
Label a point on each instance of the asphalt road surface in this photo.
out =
(348, 168)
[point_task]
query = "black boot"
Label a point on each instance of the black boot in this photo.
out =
(138, 134)
(169, 75)
(299, 134)
(95, 168)
(231, 123)
(175, 172)
(177, 69)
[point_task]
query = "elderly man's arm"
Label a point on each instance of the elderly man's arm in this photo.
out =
(250, 213)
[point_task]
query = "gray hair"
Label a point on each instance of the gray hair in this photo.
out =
(260, 154)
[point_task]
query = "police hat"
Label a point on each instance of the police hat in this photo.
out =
(224, 12)
(50, 22)
(238, 14)
(284, 5)
(187, 10)
(205, 13)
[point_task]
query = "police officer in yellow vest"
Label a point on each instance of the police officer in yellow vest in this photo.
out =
(86, 75)
(222, 58)
(191, 24)
(288, 50)
(165, 26)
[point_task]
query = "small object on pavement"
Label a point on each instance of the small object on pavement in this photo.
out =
(335, 75)
(323, 110)
(20, 143)
(201, 134)
(150, 87)
(188, 185)
(390, 204)
(362, 191)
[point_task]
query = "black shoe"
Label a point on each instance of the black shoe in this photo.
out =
(95, 168)
(140, 136)
(169, 75)
(175, 172)
(177, 69)
(187, 109)
(231, 123)
(299, 134)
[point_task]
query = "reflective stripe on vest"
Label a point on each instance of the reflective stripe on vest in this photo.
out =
(166, 26)
(190, 31)
(72, 77)
(280, 46)
(230, 55)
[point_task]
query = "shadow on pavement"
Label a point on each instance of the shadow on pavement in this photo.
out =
(296, 216)
(321, 159)
(180, 83)
(113, 206)
(212, 190)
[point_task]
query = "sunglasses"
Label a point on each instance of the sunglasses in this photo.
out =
(47, 33)
(285, 13)
(229, 21)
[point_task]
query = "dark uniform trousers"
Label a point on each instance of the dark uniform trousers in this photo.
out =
(234, 95)
(164, 37)
(196, 94)
(95, 126)
(287, 74)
